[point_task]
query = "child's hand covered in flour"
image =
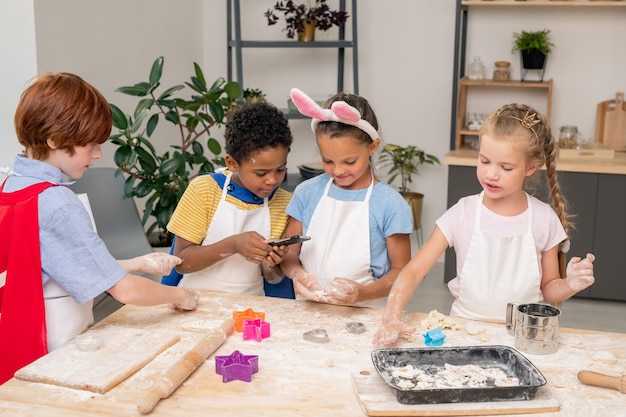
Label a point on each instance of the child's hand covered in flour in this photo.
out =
(189, 302)
(157, 263)
(580, 272)
(306, 286)
(342, 291)
(390, 332)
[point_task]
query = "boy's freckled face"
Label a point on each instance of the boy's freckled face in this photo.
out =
(262, 172)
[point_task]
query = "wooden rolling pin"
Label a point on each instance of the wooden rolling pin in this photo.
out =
(601, 380)
(180, 371)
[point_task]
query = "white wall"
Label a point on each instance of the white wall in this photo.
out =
(18, 64)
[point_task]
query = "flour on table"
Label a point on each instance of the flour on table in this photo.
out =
(604, 357)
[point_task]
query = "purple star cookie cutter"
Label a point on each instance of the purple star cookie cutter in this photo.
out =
(236, 366)
(255, 330)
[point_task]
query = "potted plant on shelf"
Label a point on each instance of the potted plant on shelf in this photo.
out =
(534, 47)
(404, 162)
(253, 95)
(303, 19)
(163, 177)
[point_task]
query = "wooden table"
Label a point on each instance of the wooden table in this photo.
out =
(297, 377)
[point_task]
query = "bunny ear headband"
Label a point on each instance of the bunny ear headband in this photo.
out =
(339, 111)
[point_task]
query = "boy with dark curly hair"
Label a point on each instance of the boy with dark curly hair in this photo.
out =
(224, 220)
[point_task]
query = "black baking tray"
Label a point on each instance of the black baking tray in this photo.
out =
(431, 360)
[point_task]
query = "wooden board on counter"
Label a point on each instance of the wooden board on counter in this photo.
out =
(592, 151)
(124, 351)
(377, 399)
(611, 123)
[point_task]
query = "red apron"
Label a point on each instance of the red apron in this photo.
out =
(23, 337)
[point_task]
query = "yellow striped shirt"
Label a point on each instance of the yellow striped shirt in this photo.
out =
(196, 209)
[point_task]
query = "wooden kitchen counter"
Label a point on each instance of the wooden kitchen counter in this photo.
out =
(616, 165)
(295, 377)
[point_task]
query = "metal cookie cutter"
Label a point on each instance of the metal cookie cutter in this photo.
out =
(355, 327)
(316, 336)
(434, 337)
(249, 314)
(237, 366)
(255, 329)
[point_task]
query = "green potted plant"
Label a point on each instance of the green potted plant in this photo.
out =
(253, 95)
(300, 16)
(404, 162)
(162, 177)
(534, 47)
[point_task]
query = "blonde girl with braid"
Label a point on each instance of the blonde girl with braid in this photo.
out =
(506, 241)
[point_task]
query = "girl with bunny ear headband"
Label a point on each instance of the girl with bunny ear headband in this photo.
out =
(339, 111)
(359, 225)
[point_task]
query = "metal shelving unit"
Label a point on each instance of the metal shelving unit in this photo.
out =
(236, 45)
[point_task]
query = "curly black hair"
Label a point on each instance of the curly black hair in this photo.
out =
(254, 127)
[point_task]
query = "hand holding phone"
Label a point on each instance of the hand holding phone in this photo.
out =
(289, 240)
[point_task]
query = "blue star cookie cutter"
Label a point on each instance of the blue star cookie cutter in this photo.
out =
(434, 337)
(236, 366)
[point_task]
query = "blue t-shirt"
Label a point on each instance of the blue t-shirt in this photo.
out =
(71, 252)
(389, 213)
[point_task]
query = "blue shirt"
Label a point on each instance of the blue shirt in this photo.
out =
(71, 252)
(389, 213)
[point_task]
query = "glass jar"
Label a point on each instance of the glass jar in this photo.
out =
(568, 137)
(476, 69)
(502, 71)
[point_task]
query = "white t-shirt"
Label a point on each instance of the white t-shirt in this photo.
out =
(457, 225)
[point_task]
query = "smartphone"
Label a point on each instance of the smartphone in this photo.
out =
(290, 240)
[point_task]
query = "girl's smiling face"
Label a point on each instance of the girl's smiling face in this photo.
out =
(347, 160)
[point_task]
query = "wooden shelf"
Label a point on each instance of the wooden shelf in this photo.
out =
(461, 124)
(544, 3)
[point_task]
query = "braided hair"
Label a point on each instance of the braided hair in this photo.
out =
(525, 126)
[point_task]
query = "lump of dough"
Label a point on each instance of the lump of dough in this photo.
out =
(604, 357)
(473, 329)
(436, 319)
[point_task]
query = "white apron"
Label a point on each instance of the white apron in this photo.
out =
(65, 318)
(234, 274)
(340, 243)
(497, 271)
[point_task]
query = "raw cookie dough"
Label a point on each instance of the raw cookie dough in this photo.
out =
(473, 329)
(604, 357)
(436, 319)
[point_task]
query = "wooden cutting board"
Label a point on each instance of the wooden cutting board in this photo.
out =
(611, 123)
(377, 399)
(124, 351)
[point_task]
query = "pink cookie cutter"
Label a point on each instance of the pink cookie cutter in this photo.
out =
(249, 314)
(255, 330)
(236, 366)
